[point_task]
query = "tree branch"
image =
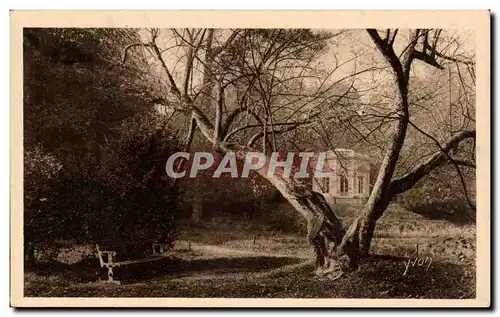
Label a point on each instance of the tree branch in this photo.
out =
(173, 85)
(259, 135)
(426, 58)
(386, 50)
(452, 59)
(227, 135)
(407, 181)
(129, 47)
(393, 38)
(462, 162)
(191, 54)
(218, 111)
(190, 134)
(230, 118)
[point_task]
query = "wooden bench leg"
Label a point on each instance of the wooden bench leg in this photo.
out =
(159, 248)
(111, 276)
(108, 263)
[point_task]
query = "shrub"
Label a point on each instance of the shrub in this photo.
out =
(280, 216)
(95, 151)
(125, 198)
(441, 196)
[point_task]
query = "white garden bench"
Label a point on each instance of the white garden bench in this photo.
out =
(114, 254)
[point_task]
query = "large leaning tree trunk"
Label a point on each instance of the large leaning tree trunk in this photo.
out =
(337, 250)
(324, 228)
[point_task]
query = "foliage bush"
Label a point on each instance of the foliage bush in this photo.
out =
(126, 197)
(41, 170)
(95, 151)
(441, 196)
(279, 216)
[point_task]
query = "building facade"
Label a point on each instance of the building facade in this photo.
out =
(348, 179)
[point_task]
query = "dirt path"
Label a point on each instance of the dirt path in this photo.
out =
(234, 263)
(213, 251)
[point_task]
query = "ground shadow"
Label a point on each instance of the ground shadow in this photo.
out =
(88, 270)
(380, 277)
(84, 271)
(175, 268)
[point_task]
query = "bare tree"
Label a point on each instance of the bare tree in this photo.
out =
(418, 47)
(250, 90)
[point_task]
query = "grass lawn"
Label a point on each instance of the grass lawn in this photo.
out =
(246, 263)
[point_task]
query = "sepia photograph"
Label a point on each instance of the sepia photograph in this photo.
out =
(177, 157)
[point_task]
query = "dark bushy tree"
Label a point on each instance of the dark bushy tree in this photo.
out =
(94, 149)
(127, 197)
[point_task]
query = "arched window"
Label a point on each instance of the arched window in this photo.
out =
(326, 185)
(361, 185)
(344, 184)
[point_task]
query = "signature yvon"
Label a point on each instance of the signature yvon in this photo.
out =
(419, 262)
